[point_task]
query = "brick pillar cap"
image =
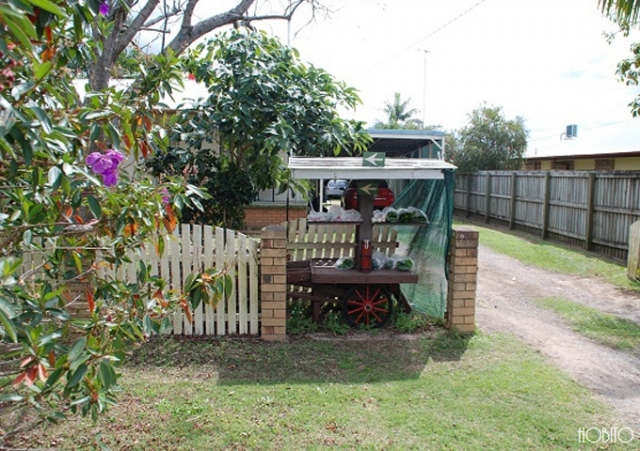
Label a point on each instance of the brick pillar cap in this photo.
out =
(274, 228)
(466, 232)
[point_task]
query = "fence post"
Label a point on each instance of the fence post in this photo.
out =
(512, 218)
(273, 283)
(487, 197)
(546, 195)
(468, 212)
(463, 277)
(588, 239)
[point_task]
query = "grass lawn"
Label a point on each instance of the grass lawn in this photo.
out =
(369, 391)
(553, 256)
(609, 330)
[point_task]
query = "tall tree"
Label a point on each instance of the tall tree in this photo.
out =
(399, 115)
(624, 10)
(262, 101)
(625, 14)
(488, 142)
(64, 324)
(126, 19)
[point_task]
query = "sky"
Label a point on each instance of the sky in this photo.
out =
(544, 60)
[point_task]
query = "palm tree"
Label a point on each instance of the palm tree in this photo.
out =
(622, 10)
(398, 112)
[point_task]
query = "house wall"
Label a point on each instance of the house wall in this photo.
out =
(584, 164)
(589, 164)
(627, 164)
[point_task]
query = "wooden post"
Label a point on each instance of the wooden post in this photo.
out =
(633, 256)
(487, 197)
(545, 205)
(468, 212)
(588, 238)
(512, 217)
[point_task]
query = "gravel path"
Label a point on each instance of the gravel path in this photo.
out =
(505, 303)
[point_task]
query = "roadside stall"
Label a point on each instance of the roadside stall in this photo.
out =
(365, 289)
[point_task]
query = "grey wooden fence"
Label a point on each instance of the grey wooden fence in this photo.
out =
(585, 208)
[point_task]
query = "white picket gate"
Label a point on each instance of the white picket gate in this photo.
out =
(196, 247)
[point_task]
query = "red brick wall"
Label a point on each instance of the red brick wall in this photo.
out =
(259, 216)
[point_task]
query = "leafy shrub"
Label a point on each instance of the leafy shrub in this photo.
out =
(300, 319)
(410, 322)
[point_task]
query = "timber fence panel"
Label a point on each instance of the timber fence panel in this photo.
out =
(189, 249)
(585, 208)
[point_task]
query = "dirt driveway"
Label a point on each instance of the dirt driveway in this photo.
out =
(505, 303)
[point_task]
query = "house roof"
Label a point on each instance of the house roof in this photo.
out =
(397, 143)
(617, 139)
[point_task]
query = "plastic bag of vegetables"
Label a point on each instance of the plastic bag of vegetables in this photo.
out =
(378, 260)
(391, 214)
(418, 215)
(344, 263)
(404, 264)
(405, 216)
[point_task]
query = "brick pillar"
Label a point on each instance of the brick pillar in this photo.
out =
(463, 276)
(273, 283)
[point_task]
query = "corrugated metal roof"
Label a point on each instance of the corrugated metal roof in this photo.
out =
(353, 168)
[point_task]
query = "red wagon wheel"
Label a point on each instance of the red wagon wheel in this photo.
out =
(370, 305)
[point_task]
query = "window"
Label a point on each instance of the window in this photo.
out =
(605, 164)
(533, 165)
(562, 165)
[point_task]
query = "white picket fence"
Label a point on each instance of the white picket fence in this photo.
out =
(195, 248)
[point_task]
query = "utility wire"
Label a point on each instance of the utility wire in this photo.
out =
(590, 128)
(409, 47)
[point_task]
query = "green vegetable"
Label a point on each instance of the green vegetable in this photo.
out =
(419, 215)
(405, 216)
(345, 263)
(404, 264)
(392, 215)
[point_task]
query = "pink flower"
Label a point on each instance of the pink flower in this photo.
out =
(105, 164)
(165, 196)
(104, 8)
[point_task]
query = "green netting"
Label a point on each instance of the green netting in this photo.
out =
(428, 246)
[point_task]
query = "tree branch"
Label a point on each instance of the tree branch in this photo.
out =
(189, 33)
(130, 31)
(174, 12)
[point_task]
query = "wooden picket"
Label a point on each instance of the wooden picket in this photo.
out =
(195, 248)
(308, 240)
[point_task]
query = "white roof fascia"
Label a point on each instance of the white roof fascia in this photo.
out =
(352, 168)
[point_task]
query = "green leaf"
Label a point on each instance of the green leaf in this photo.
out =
(9, 328)
(48, 6)
(27, 237)
(54, 377)
(40, 70)
(22, 30)
(107, 374)
(54, 177)
(21, 89)
(77, 375)
(12, 397)
(43, 118)
(77, 348)
(82, 400)
(94, 206)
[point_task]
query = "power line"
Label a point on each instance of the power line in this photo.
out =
(584, 129)
(409, 47)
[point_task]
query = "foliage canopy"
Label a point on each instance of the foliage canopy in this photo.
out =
(64, 327)
(264, 104)
(488, 142)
